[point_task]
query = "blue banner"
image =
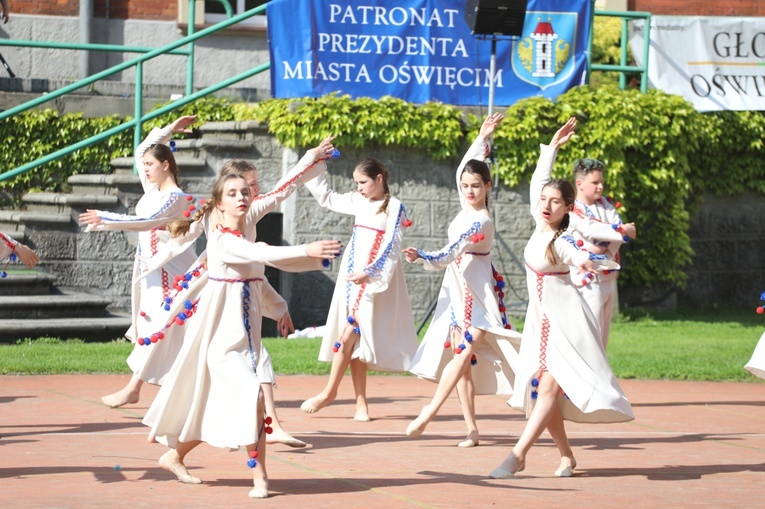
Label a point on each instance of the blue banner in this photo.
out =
(422, 50)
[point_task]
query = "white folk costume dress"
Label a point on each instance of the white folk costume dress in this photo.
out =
(561, 336)
(152, 213)
(470, 295)
(211, 392)
(756, 364)
(599, 290)
(187, 286)
(380, 308)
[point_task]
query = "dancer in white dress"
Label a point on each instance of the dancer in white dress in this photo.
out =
(162, 202)
(756, 364)
(212, 393)
(12, 249)
(469, 326)
(563, 371)
(370, 323)
(312, 164)
(592, 209)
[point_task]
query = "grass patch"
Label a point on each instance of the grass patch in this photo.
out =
(686, 344)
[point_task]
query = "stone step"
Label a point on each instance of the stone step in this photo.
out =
(229, 130)
(104, 184)
(26, 282)
(65, 203)
(105, 328)
(44, 307)
(23, 218)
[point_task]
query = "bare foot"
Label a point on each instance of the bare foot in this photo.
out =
(170, 462)
(120, 398)
(470, 441)
(151, 438)
(282, 437)
(362, 415)
(567, 466)
(417, 426)
(260, 489)
(313, 405)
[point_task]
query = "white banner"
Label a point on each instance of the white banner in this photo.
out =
(716, 63)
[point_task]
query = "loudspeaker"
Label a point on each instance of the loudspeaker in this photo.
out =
(495, 17)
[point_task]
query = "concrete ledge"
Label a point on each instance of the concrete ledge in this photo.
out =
(70, 200)
(34, 217)
(88, 329)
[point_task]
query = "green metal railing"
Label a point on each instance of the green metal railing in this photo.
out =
(623, 68)
(139, 116)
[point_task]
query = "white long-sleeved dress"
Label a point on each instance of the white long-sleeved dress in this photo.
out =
(596, 225)
(164, 351)
(152, 213)
(469, 296)
(756, 364)
(381, 307)
(561, 336)
(211, 391)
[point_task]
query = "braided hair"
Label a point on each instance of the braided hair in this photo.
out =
(568, 195)
(371, 167)
(181, 227)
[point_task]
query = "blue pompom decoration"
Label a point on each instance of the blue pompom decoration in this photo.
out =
(351, 320)
(188, 304)
(168, 299)
(500, 284)
(762, 297)
(338, 345)
(13, 257)
(326, 263)
(166, 307)
(172, 146)
(535, 382)
(468, 337)
(185, 285)
(335, 154)
(357, 330)
(252, 463)
(473, 362)
(534, 395)
(3, 273)
(182, 316)
(187, 276)
(462, 346)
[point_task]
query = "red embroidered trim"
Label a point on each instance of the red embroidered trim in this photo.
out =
(11, 245)
(372, 254)
(545, 331)
(225, 229)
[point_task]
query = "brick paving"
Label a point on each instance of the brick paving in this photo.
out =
(693, 444)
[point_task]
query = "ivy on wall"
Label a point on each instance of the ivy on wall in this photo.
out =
(660, 154)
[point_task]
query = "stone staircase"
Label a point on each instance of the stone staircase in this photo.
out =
(81, 287)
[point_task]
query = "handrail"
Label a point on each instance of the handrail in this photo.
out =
(623, 68)
(139, 117)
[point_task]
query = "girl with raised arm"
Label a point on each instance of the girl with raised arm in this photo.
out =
(212, 393)
(162, 202)
(563, 372)
(370, 323)
(470, 344)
